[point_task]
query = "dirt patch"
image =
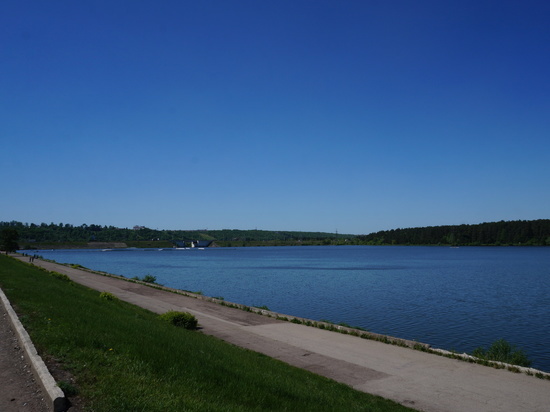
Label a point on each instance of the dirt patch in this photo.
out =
(20, 391)
(63, 376)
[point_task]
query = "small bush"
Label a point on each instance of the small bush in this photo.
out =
(107, 296)
(180, 319)
(60, 276)
(502, 351)
(149, 279)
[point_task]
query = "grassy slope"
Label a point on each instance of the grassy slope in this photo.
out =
(125, 359)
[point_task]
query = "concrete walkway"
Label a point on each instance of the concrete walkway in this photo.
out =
(420, 380)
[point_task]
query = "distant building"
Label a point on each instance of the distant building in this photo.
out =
(192, 243)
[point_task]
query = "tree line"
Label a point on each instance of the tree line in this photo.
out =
(520, 232)
(503, 233)
(44, 233)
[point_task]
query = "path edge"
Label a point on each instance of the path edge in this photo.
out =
(57, 402)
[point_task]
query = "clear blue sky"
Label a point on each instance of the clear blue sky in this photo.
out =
(354, 116)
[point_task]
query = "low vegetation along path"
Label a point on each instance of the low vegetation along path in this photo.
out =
(420, 380)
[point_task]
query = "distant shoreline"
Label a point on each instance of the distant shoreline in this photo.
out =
(168, 245)
(503, 233)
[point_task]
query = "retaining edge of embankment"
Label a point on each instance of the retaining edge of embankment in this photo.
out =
(56, 399)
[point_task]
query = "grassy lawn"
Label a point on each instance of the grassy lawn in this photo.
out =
(125, 359)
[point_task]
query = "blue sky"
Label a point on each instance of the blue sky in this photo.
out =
(354, 116)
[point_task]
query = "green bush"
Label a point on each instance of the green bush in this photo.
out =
(181, 319)
(502, 351)
(60, 276)
(149, 278)
(146, 278)
(107, 296)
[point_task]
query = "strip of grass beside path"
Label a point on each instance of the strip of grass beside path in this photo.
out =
(124, 358)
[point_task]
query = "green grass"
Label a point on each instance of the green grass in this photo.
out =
(125, 358)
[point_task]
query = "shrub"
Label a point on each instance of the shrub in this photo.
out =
(502, 351)
(107, 296)
(149, 279)
(61, 276)
(146, 278)
(181, 319)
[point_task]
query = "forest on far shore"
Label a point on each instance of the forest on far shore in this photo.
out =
(503, 233)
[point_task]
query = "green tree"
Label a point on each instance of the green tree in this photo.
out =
(8, 240)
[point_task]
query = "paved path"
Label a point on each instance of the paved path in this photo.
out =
(423, 381)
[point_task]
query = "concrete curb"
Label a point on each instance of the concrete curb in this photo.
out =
(55, 397)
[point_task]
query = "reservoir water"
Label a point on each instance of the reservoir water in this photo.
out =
(452, 298)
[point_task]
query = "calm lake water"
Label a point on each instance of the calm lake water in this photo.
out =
(452, 298)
